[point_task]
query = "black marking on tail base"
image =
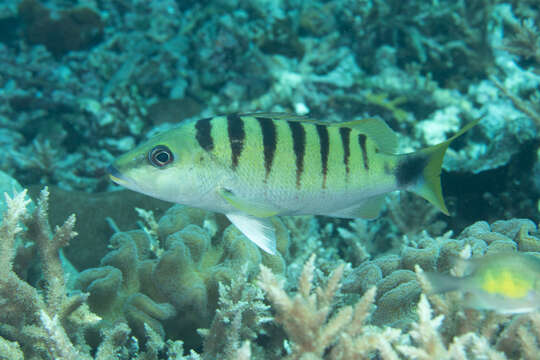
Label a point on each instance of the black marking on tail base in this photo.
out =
(269, 137)
(235, 128)
(204, 134)
(298, 134)
(324, 143)
(410, 169)
(362, 141)
(346, 142)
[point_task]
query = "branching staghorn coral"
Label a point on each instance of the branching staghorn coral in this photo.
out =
(28, 317)
(521, 337)
(529, 336)
(526, 40)
(426, 342)
(240, 318)
(313, 332)
(529, 107)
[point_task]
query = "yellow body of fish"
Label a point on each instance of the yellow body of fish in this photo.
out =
(254, 166)
(506, 283)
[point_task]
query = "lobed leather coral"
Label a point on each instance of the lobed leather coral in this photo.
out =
(174, 286)
(117, 290)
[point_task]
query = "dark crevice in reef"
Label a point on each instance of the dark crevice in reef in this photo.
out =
(503, 193)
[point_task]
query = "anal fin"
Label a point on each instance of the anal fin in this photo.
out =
(367, 209)
(259, 230)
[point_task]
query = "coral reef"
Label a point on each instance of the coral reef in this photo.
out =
(51, 316)
(241, 317)
(310, 329)
(8, 185)
(170, 281)
(189, 59)
(174, 276)
(398, 289)
(54, 322)
(316, 329)
(82, 82)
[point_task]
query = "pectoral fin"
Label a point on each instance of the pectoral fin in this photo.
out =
(249, 207)
(260, 231)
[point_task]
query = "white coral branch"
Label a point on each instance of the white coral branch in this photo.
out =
(58, 342)
(10, 227)
(313, 333)
(63, 234)
(425, 335)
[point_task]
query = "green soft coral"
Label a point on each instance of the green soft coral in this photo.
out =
(174, 289)
(116, 290)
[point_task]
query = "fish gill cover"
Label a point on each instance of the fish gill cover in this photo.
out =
(133, 277)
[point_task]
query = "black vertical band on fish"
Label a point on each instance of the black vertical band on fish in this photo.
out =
(362, 142)
(237, 135)
(269, 138)
(324, 143)
(204, 134)
(346, 142)
(299, 147)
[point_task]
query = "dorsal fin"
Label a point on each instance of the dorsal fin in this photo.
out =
(377, 130)
(279, 116)
(288, 117)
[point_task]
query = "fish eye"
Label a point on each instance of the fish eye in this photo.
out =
(160, 156)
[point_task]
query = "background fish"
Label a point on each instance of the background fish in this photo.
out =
(506, 282)
(254, 166)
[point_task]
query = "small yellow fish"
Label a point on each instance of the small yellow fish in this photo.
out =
(254, 166)
(508, 283)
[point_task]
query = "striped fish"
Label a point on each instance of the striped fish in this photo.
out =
(254, 166)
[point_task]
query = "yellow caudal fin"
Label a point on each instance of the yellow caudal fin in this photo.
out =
(420, 172)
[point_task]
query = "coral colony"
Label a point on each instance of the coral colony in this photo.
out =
(93, 271)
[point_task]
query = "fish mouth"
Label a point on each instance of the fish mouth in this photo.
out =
(116, 176)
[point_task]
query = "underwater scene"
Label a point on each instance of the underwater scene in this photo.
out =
(269, 179)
